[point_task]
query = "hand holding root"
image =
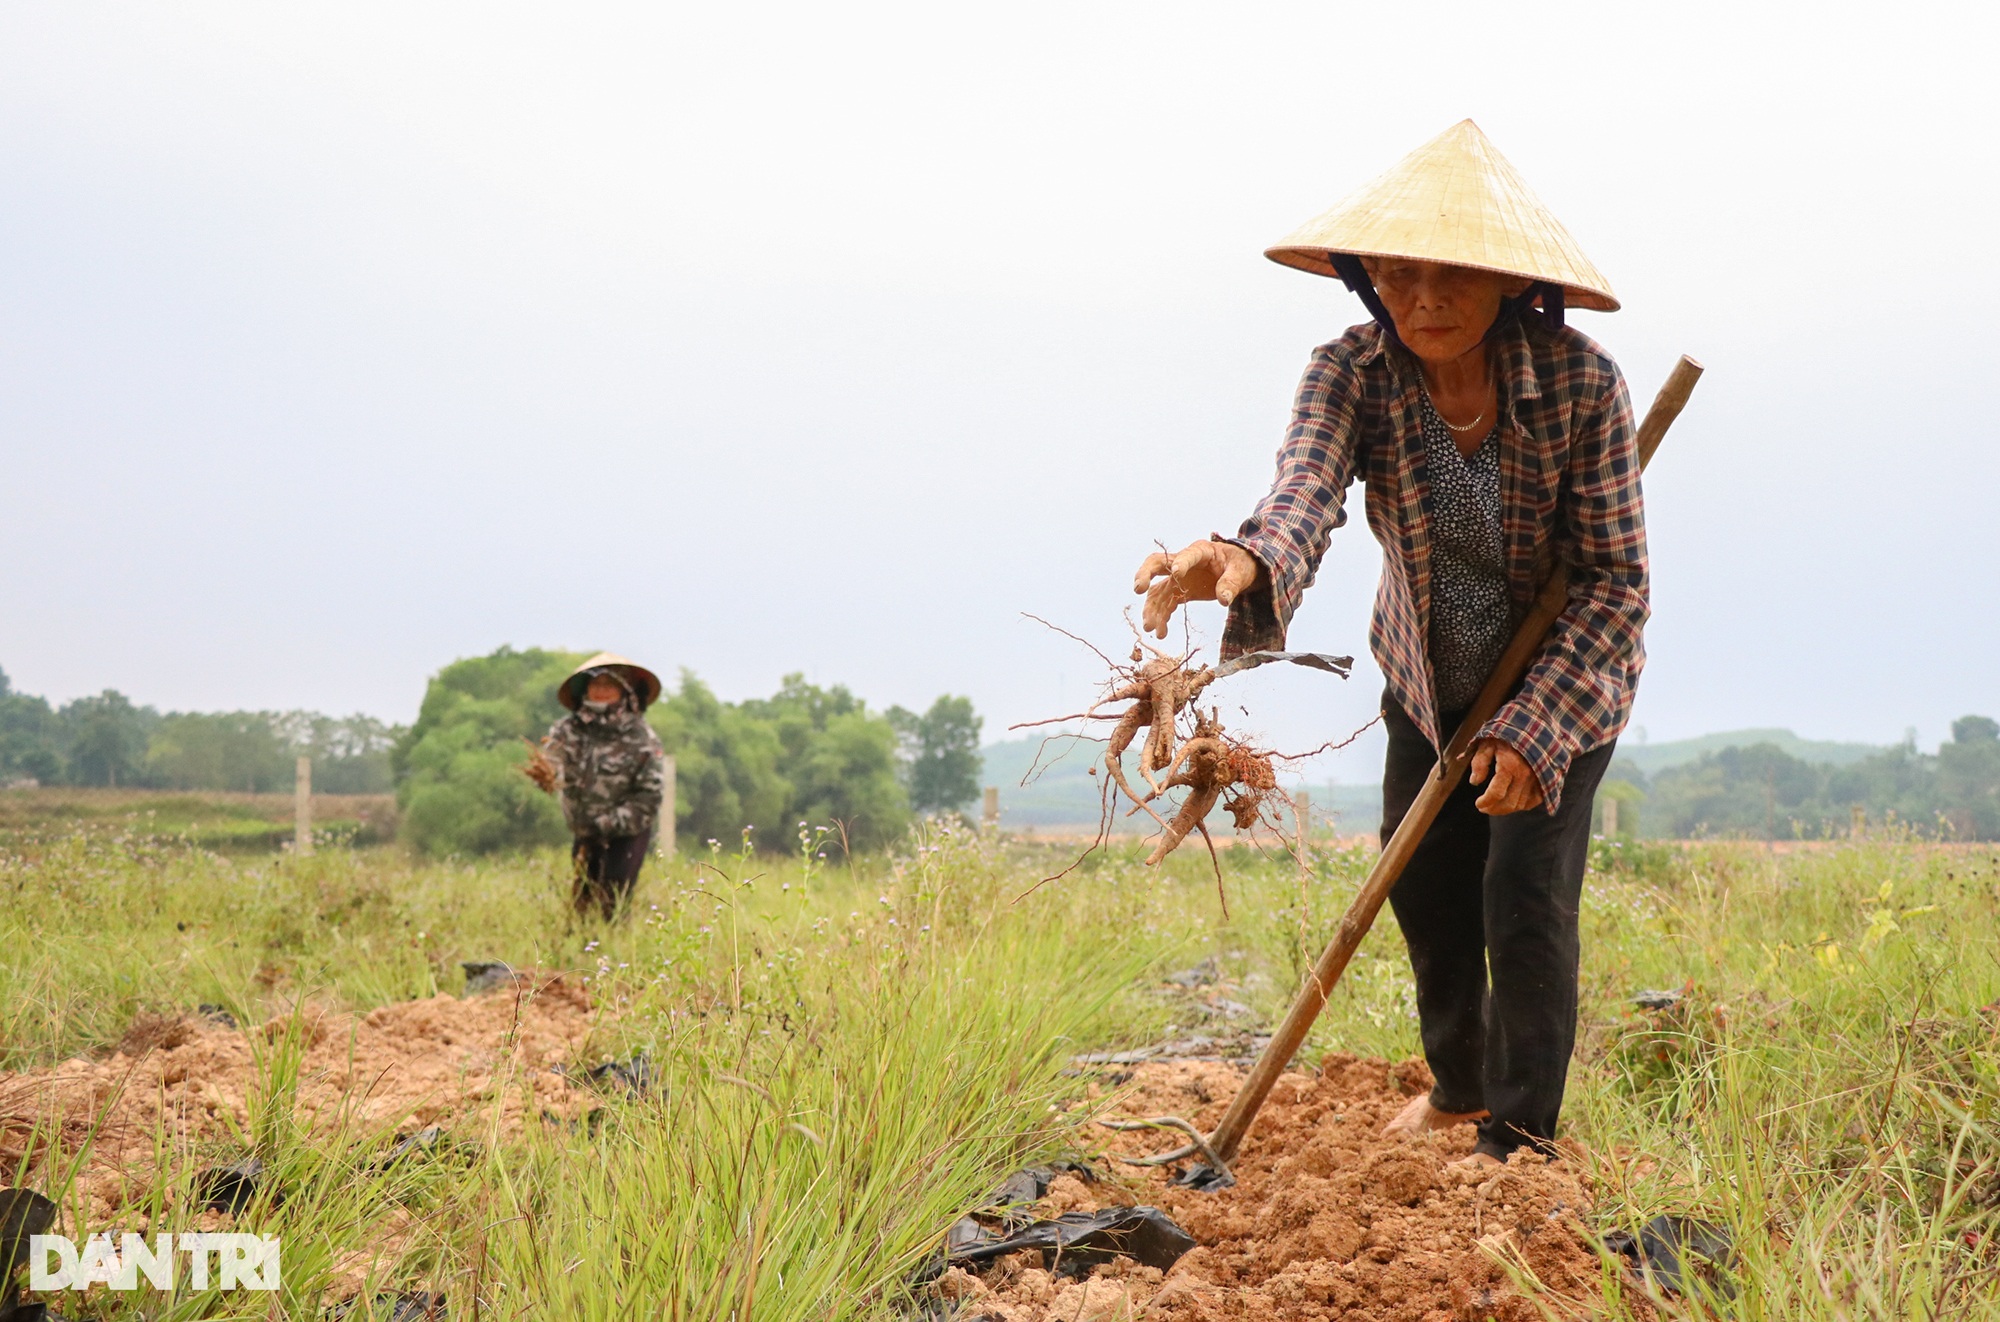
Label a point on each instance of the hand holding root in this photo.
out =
(1201, 571)
(538, 768)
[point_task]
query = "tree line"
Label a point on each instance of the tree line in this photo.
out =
(108, 740)
(805, 754)
(1762, 792)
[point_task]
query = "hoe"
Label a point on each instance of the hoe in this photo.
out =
(1219, 1148)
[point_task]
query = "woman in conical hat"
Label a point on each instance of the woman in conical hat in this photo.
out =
(1493, 439)
(609, 769)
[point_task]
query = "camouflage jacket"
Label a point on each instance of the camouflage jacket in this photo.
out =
(611, 771)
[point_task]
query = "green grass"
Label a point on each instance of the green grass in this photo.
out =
(851, 1055)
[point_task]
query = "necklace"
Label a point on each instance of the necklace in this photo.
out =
(1447, 421)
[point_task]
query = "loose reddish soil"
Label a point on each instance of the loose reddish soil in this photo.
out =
(1327, 1220)
(180, 1087)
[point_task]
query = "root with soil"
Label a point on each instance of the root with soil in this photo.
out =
(1185, 748)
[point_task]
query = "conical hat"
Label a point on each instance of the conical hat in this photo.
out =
(643, 681)
(1457, 200)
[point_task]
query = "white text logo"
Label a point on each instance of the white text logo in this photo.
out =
(229, 1262)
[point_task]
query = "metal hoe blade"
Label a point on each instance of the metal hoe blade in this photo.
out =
(1181, 1153)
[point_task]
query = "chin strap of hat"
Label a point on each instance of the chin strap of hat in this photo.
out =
(1355, 276)
(1547, 292)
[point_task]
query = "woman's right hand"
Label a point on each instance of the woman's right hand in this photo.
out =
(538, 767)
(1201, 571)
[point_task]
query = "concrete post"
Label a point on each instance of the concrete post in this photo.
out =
(989, 808)
(302, 809)
(1611, 818)
(669, 820)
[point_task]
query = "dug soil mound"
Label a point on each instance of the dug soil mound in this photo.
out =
(1327, 1219)
(182, 1087)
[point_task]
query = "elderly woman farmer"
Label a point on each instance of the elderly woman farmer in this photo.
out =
(1493, 440)
(609, 766)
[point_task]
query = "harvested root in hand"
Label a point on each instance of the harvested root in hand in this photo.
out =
(1207, 762)
(1157, 690)
(538, 768)
(1202, 768)
(1214, 767)
(1184, 748)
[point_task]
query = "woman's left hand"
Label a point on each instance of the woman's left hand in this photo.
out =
(1513, 786)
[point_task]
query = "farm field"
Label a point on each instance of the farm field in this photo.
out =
(815, 1069)
(207, 819)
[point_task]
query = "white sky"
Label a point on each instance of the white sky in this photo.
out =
(338, 341)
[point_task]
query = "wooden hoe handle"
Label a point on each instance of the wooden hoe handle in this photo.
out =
(1549, 604)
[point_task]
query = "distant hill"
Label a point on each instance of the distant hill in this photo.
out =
(1655, 758)
(1061, 793)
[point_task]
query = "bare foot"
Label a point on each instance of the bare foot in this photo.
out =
(1420, 1117)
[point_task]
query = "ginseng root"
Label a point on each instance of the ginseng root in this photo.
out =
(1202, 768)
(1184, 750)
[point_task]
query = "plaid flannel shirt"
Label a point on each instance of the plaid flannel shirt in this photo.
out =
(1569, 487)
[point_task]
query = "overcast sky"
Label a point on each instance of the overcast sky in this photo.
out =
(339, 341)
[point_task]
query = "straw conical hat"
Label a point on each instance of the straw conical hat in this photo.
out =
(1455, 199)
(643, 681)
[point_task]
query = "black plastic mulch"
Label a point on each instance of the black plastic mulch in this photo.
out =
(1674, 1252)
(1075, 1242)
(229, 1188)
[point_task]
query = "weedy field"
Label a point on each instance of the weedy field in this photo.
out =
(816, 1068)
(207, 819)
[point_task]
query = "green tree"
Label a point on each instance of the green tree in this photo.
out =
(458, 767)
(1968, 778)
(839, 760)
(30, 737)
(847, 777)
(1899, 780)
(105, 739)
(1738, 791)
(725, 767)
(219, 751)
(350, 755)
(941, 748)
(1749, 791)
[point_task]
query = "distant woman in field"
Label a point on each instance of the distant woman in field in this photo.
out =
(609, 768)
(1493, 440)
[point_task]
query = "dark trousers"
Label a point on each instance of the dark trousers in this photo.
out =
(606, 868)
(1488, 907)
